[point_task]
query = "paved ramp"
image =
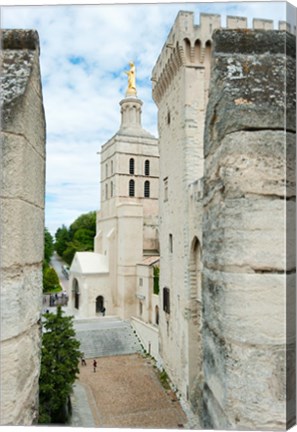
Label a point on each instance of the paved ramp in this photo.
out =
(106, 336)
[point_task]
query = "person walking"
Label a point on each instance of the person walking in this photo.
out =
(83, 360)
(94, 365)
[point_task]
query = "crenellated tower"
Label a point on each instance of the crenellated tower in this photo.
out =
(180, 88)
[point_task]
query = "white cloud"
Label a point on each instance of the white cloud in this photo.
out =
(84, 52)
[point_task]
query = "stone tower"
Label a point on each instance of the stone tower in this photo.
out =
(180, 90)
(21, 225)
(181, 80)
(127, 224)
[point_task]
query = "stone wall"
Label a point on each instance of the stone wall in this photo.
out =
(249, 206)
(21, 225)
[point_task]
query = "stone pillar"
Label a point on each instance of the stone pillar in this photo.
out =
(131, 113)
(21, 225)
(248, 232)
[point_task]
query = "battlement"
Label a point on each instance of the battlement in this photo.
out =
(190, 44)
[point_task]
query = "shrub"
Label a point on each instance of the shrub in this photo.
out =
(50, 280)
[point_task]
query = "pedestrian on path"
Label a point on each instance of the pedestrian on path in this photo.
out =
(94, 365)
(83, 361)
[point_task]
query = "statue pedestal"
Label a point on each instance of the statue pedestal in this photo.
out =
(131, 111)
(131, 92)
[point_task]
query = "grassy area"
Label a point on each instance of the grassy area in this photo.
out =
(164, 379)
(54, 290)
(161, 374)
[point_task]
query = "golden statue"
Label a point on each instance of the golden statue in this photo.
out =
(131, 91)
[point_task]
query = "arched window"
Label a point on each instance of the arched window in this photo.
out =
(140, 308)
(100, 304)
(195, 268)
(146, 189)
(111, 189)
(170, 243)
(131, 166)
(75, 291)
(147, 168)
(157, 315)
(166, 300)
(106, 191)
(131, 188)
(168, 118)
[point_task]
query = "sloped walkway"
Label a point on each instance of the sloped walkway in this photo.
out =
(125, 392)
(106, 336)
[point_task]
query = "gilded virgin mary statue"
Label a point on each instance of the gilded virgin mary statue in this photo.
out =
(131, 90)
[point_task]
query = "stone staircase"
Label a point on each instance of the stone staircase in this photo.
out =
(106, 336)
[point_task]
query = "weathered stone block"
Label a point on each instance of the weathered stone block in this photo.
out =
(23, 234)
(258, 162)
(21, 97)
(246, 402)
(245, 307)
(246, 234)
(23, 295)
(20, 366)
(23, 173)
(251, 73)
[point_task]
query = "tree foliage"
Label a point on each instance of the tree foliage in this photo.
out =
(156, 279)
(78, 238)
(48, 246)
(59, 367)
(62, 238)
(50, 280)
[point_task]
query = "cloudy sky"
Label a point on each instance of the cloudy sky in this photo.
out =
(85, 50)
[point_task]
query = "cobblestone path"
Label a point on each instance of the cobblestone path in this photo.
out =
(126, 392)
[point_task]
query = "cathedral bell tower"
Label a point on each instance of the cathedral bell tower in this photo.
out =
(127, 224)
(130, 159)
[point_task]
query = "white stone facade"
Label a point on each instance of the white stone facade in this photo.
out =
(127, 223)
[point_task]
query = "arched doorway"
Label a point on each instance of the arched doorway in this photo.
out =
(195, 268)
(100, 304)
(195, 349)
(76, 293)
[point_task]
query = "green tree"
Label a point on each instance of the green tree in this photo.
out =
(69, 252)
(156, 279)
(59, 367)
(85, 221)
(50, 280)
(48, 246)
(78, 238)
(62, 237)
(85, 237)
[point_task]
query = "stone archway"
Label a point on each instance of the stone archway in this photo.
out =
(100, 308)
